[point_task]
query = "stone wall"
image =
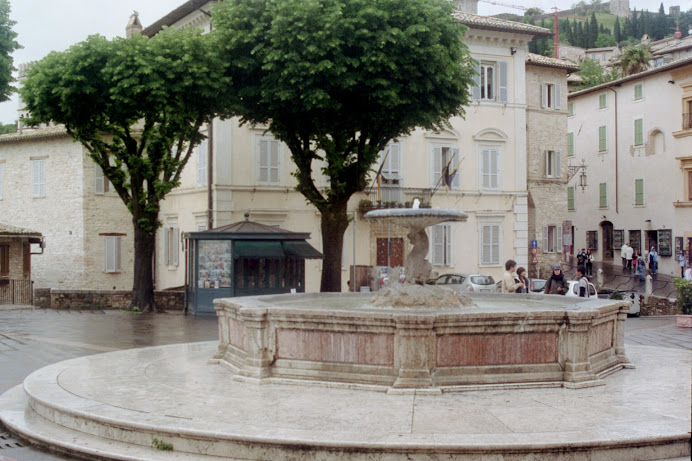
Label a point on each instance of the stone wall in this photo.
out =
(101, 299)
(654, 305)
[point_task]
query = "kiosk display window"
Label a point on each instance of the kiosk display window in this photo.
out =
(214, 264)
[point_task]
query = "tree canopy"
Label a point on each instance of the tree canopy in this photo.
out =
(137, 106)
(336, 80)
(8, 45)
(593, 74)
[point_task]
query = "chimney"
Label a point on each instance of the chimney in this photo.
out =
(467, 6)
(134, 27)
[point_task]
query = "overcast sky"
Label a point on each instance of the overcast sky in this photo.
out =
(46, 25)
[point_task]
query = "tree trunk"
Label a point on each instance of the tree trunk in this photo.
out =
(334, 224)
(143, 284)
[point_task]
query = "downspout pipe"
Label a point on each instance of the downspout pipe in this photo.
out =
(210, 161)
(616, 149)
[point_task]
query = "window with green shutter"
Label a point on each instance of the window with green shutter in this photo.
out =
(570, 198)
(602, 144)
(570, 109)
(639, 192)
(603, 195)
(638, 91)
(638, 132)
(570, 144)
(602, 101)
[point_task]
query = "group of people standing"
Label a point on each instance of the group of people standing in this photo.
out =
(632, 260)
(516, 281)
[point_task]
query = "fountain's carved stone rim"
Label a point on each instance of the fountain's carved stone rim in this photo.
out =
(417, 217)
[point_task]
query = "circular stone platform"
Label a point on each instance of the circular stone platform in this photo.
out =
(119, 404)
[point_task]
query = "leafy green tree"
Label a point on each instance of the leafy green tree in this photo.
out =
(137, 106)
(627, 31)
(336, 80)
(635, 59)
(617, 33)
(592, 31)
(660, 28)
(593, 74)
(8, 128)
(636, 30)
(604, 40)
(8, 45)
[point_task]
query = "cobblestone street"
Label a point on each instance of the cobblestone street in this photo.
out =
(33, 338)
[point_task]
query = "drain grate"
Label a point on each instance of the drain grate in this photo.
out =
(7, 441)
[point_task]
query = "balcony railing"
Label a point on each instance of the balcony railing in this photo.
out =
(397, 196)
(687, 121)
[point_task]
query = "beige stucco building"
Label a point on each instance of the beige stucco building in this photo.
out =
(244, 169)
(48, 184)
(635, 137)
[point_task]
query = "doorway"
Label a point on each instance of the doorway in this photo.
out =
(607, 235)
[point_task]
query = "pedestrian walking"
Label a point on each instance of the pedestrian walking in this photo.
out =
(556, 284)
(640, 269)
(589, 263)
(688, 273)
(509, 282)
(629, 253)
(682, 259)
(521, 278)
(653, 261)
(581, 257)
(583, 283)
(623, 255)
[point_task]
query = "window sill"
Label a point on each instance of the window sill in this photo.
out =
(682, 133)
(113, 272)
(682, 204)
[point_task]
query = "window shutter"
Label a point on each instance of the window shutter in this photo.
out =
(175, 237)
(546, 154)
(486, 245)
(544, 95)
(602, 144)
(559, 240)
(450, 254)
(689, 186)
(603, 198)
(476, 90)
(502, 65)
(558, 96)
(558, 165)
(638, 132)
(639, 192)
(485, 169)
(455, 165)
(42, 182)
(202, 154)
(545, 239)
(263, 161)
(438, 245)
(167, 245)
(0, 181)
(495, 247)
(98, 180)
(274, 177)
(437, 164)
(395, 158)
(35, 175)
(110, 253)
(570, 144)
(638, 91)
(602, 101)
(570, 198)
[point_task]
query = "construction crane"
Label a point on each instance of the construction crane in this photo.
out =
(556, 23)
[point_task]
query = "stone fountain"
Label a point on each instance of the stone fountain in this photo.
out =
(411, 337)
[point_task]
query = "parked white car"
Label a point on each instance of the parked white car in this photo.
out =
(635, 299)
(573, 289)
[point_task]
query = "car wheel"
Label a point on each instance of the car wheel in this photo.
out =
(638, 314)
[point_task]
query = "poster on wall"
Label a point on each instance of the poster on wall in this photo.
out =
(665, 242)
(678, 247)
(214, 264)
(618, 239)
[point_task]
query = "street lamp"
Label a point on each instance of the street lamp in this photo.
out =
(573, 169)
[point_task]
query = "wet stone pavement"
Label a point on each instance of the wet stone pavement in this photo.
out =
(33, 338)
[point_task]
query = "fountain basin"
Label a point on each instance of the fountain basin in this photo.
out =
(502, 341)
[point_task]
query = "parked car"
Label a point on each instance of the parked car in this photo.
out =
(535, 286)
(573, 289)
(448, 279)
(478, 283)
(635, 299)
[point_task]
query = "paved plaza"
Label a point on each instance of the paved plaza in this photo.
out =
(31, 339)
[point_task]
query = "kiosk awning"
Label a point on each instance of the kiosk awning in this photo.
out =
(300, 249)
(260, 249)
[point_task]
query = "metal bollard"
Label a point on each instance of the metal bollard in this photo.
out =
(648, 285)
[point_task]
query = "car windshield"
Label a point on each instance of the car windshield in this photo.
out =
(482, 280)
(538, 285)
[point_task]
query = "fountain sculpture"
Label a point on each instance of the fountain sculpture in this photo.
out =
(436, 340)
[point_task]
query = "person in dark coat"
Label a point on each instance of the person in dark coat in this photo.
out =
(556, 284)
